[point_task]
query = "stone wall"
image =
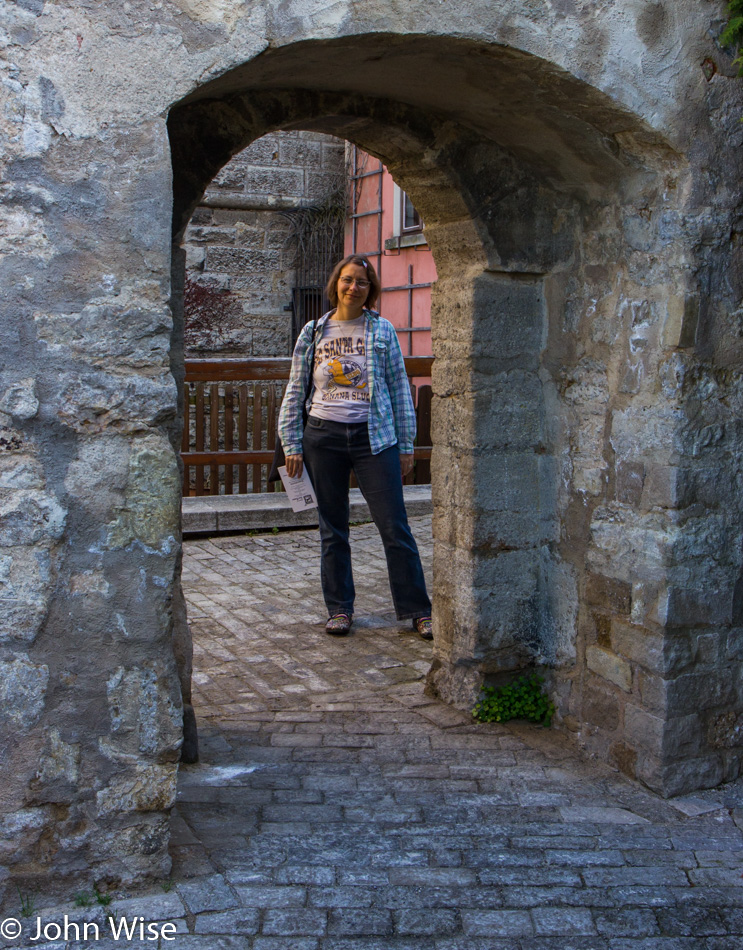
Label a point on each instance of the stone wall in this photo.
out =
(579, 179)
(241, 253)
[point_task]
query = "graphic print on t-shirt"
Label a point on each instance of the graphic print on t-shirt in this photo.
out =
(344, 371)
(341, 383)
(340, 364)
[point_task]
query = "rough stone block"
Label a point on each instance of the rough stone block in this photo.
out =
(197, 236)
(59, 762)
(230, 178)
(20, 401)
(360, 922)
(146, 713)
(299, 151)
(281, 182)
(23, 686)
(147, 788)
(678, 651)
(630, 481)
(101, 402)
(647, 433)
(510, 312)
(264, 151)
(734, 649)
(692, 607)
(295, 922)
(684, 736)
(496, 410)
(661, 487)
(493, 532)
(607, 592)
(649, 601)
(725, 730)
(682, 318)
(150, 512)
(653, 691)
(505, 923)
(318, 184)
(25, 577)
(555, 921)
(625, 758)
(206, 894)
(686, 775)
(699, 691)
(707, 648)
(609, 666)
(29, 518)
(626, 545)
(507, 481)
(600, 706)
(639, 645)
(643, 729)
(602, 628)
(238, 260)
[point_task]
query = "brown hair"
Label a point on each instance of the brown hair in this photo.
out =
(375, 287)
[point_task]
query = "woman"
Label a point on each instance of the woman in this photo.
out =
(361, 418)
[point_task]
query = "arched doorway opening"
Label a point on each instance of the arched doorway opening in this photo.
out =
(264, 237)
(520, 172)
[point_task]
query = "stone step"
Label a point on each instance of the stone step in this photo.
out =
(217, 514)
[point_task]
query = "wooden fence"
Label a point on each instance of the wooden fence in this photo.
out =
(230, 414)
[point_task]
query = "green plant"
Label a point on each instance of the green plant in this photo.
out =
(524, 698)
(28, 903)
(103, 899)
(732, 35)
(166, 885)
(83, 899)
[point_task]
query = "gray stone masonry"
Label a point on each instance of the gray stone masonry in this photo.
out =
(579, 169)
(337, 807)
(241, 255)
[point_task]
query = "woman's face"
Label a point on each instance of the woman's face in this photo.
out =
(353, 285)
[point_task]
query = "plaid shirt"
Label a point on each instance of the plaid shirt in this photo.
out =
(391, 410)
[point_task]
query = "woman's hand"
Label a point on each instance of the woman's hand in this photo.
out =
(294, 466)
(406, 464)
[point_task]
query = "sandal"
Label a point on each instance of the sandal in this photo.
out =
(423, 627)
(339, 624)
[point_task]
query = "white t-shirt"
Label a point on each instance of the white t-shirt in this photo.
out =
(340, 377)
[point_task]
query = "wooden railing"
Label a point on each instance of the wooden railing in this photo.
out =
(230, 414)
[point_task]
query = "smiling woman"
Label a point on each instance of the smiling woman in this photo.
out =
(348, 371)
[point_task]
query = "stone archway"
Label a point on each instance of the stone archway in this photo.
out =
(580, 179)
(515, 233)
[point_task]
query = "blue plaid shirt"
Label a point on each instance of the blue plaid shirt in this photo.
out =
(391, 410)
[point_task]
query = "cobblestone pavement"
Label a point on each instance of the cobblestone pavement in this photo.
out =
(336, 807)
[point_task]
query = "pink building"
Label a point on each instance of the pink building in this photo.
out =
(384, 225)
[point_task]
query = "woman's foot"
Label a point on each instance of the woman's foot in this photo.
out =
(424, 627)
(339, 624)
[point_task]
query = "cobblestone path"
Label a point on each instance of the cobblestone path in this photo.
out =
(337, 807)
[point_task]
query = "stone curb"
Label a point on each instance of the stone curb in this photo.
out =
(217, 514)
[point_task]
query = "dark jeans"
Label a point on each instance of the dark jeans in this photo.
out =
(331, 450)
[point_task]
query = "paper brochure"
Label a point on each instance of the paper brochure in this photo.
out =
(300, 491)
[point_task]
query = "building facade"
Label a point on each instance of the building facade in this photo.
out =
(384, 224)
